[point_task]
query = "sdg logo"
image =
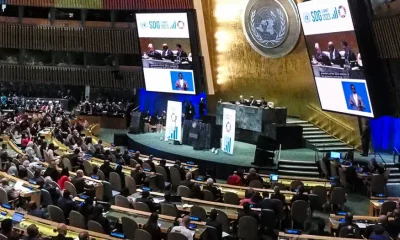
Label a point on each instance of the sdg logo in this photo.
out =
(163, 25)
(326, 14)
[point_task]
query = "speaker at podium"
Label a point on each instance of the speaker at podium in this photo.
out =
(266, 151)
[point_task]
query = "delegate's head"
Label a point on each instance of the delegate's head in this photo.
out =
(185, 221)
(189, 176)
(178, 47)
(138, 167)
(145, 194)
(180, 75)
(353, 88)
(349, 217)
(331, 46)
(316, 46)
(210, 182)
(6, 225)
(32, 231)
(66, 194)
(163, 162)
(4, 181)
(251, 98)
(345, 44)
(165, 46)
(79, 173)
(241, 97)
(62, 229)
(150, 47)
(277, 190)
(83, 235)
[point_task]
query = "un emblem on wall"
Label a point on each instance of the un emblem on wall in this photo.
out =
(271, 27)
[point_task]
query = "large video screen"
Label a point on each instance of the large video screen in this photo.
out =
(166, 52)
(335, 57)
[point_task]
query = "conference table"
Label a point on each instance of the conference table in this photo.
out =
(47, 228)
(115, 213)
(307, 181)
(27, 190)
(375, 204)
(240, 190)
(362, 221)
(186, 203)
(284, 236)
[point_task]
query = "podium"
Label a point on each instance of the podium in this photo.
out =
(135, 122)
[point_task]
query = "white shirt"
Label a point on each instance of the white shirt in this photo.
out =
(181, 82)
(184, 231)
(355, 96)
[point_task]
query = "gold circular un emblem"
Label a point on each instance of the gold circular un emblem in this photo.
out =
(272, 27)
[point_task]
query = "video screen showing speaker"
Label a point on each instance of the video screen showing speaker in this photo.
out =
(166, 52)
(335, 57)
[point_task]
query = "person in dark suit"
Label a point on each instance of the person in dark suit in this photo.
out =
(213, 222)
(252, 101)
(66, 204)
(181, 84)
(87, 208)
(248, 212)
(196, 193)
(152, 52)
(202, 108)
(79, 182)
(127, 158)
(106, 169)
(147, 200)
(62, 233)
(180, 169)
(365, 140)
(163, 164)
(299, 195)
(166, 52)
(215, 191)
(118, 170)
(6, 227)
(97, 216)
(349, 55)
(272, 204)
(394, 225)
(320, 231)
(188, 181)
(138, 175)
(75, 158)
(191, 112)
(151, 163)
(152, 227)
(348, 221)
(180, 53)
(52, 172)
(136, 157)
(253, 175)
(334, 54)
(99, 145)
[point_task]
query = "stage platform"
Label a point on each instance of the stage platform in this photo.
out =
(224, 164)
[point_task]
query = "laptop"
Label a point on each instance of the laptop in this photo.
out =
(336, 155)
(17, 218)
(273, 178)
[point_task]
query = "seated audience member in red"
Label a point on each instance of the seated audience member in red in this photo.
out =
(235, 179)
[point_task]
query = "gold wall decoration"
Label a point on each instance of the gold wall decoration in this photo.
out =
(287, 81)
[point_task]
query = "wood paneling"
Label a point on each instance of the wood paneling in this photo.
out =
(95, 40)
(71, 76)
(108, 4)
(387, 36)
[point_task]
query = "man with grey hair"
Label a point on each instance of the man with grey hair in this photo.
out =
(188, 181)
(79, 182)
(215, 191)
(253, 176)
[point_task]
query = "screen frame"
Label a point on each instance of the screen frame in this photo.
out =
(372, 105)
(194, 45)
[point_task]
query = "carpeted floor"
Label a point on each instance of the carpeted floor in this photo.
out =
(357, 203)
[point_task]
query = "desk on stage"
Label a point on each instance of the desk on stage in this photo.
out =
(252, 118)
(337, 71)
(165, 64)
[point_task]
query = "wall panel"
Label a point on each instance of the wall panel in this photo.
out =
(107, 4)
(96, 40)
(71, 76)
